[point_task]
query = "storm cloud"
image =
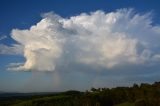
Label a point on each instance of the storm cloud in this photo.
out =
(97, 39)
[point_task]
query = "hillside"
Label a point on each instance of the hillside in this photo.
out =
(137, 95)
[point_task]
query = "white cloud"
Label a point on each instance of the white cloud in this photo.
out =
(42, 44)
(104, 39)
(114, 38)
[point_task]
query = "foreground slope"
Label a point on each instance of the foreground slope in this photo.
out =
(137, 95)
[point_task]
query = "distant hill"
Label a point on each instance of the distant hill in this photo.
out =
(11, 94)
(2, 92)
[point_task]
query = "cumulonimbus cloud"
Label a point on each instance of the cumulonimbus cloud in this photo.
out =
(98, 38)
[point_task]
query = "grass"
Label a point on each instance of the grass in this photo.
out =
(125, 104)
(43, 99)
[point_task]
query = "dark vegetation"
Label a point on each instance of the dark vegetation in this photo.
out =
(137, 95)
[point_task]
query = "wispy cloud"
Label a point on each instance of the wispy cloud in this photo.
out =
(3, 37)
(11, 50)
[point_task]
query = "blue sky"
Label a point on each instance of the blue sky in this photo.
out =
(93, 67)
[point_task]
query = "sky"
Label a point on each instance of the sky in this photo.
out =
(59, 45)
